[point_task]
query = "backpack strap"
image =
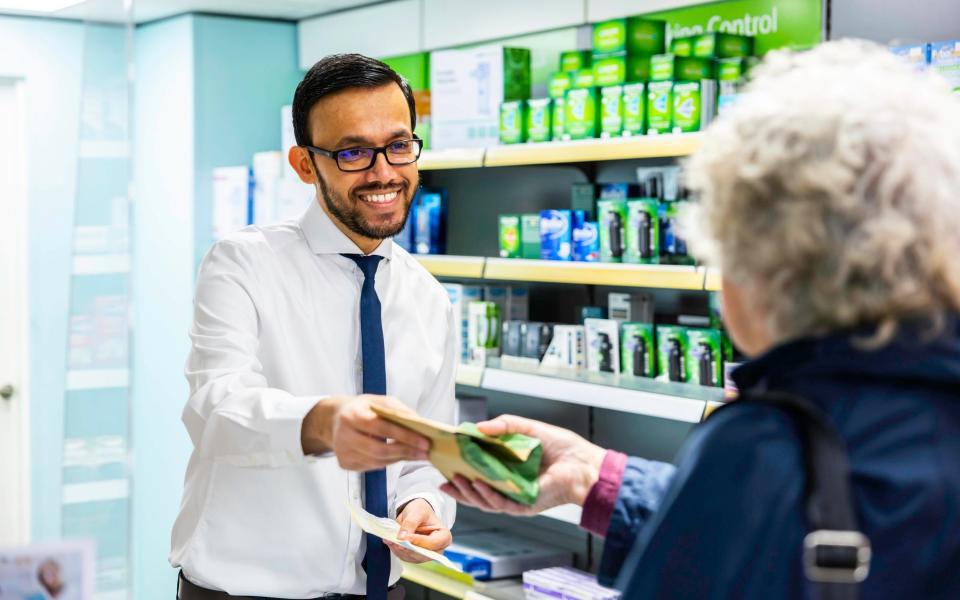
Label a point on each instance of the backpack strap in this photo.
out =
(836, 554)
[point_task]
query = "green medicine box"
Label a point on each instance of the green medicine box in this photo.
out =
(735, 69)
(583, 79)
(539, 117)
(643, 231)
(638, 68)
(559, 84)
(722, 45)
(635, 35)
(659, 107)
(558, 118)
(611, 70)
(687, 106)
(574, 60)
(611, 111)
(637, 351)
(530, 236)
(513, 122)
(634, 108)
(682, 46)
(705, 357)
(509, 236)
(516, 74)
(612, 219)
(667, 67)
(672, 353)
(581, 114)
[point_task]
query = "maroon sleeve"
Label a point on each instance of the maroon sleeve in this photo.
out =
(598, 507)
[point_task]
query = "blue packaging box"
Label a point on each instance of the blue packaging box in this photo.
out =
(430, 227)
(586, 238)
(618, 191)
(945, 60)
(405, 239)
(556, 234)
(918, 55)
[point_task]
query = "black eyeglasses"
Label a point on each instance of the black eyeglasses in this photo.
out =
(400, 152)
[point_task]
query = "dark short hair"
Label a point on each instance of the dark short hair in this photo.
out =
(339, 72)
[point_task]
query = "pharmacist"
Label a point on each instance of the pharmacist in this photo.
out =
(299, 328)
(828, 197)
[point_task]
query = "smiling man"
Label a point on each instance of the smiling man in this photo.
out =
(299, 329)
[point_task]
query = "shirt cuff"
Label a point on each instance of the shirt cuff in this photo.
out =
(598, 507)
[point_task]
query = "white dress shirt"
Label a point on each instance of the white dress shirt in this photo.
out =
(276, 328)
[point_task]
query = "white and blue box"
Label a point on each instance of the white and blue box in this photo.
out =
(460, 297)
(556, 235)
(945, 60)
(586, 238)
(430, 227)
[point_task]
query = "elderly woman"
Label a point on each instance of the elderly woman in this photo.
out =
(830, 198)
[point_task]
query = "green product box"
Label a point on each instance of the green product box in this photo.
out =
(513, 122)
(581, 114)
(611, 111)
(516, 74)
(530, 236)
(659, 107)
(722, 45)
(539, 117)
(705, 357)
(637, 350)
(611, 70)
(634, 108)
(638, 68)
(559, 84)
(682, 46)
(574, 60)
(731, 69)
(509, 236)
(557, 120)
(672, 353)
(666, 67)
(643, 231)
(635, 35)
(612, 219)
(687, 106)
(583, 79)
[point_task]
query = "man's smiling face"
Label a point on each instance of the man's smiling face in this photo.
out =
(373, 203)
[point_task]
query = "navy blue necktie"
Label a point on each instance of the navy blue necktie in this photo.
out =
(376, 561)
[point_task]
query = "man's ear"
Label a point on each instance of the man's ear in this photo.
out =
(299, 159)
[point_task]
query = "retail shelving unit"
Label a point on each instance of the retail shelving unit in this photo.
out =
(460, 158)
(712, 281)
(470, 267)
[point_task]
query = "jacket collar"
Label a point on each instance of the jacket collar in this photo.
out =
(323, 237)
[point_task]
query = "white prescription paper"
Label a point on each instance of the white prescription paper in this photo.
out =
(387, 529)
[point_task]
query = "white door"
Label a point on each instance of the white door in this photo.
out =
(14, 449)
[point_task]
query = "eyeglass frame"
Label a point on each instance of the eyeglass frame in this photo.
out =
(334, 154)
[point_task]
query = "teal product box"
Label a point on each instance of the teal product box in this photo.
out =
(634, 108)
(672, 353)
(559, 84)
(539, 120)
(637, 350)
(574, 60)
(530, 236)
(583, 196)
(634, 35)
(611, 70)
(583, 79)
(611, 111)
(918, 55)
(682, 46)
(509, 236)
(643, 231)
(592, 312)
(612, 219)
(556, 235)
(722, 45)
(581, 115)
(705, 357)
(513, 122)
(945, 60)
(586, 238)
(558, 118)
(693, 104)
(638, 68)
(660, 107)
(669, 67)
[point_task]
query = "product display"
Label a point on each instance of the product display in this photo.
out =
(529, 236)
(612, 219)
(560, 83)
(556, 235)
(483, 331)
(581, 115)
(611, 70)
(461, 296)
(558, 117)
(634, 35)
(705, 357)
(637, 349)
(495, 553)
(643, 231)
(539, 113)
(611, 111)
(722, 45)
(637, 307)
(693, 104)
(672, 353)
(586, 238)
(634, 108)
(603, 345)
(513, 302)
(512, 338)
(536, 338)
(659, 107)
(945, 60)
(430, 221)
(670, 67)
(510, 236)
(673, 249)
(564, 583)
(567, 349)
(513, 122)
(574, 60)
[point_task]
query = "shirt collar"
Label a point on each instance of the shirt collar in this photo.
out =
(324, 237)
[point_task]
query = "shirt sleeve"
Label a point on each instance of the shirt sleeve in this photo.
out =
(642, 487)
(233, 415)
(418, 479)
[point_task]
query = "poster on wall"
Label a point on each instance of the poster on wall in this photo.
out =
(50, 571)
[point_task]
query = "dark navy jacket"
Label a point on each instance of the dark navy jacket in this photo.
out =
(730, 522)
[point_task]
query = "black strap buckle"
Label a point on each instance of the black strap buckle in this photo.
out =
(833, 556)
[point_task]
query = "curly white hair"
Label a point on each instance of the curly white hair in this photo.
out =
(831, 192)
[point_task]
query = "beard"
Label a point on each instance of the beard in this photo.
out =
(348, 212)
